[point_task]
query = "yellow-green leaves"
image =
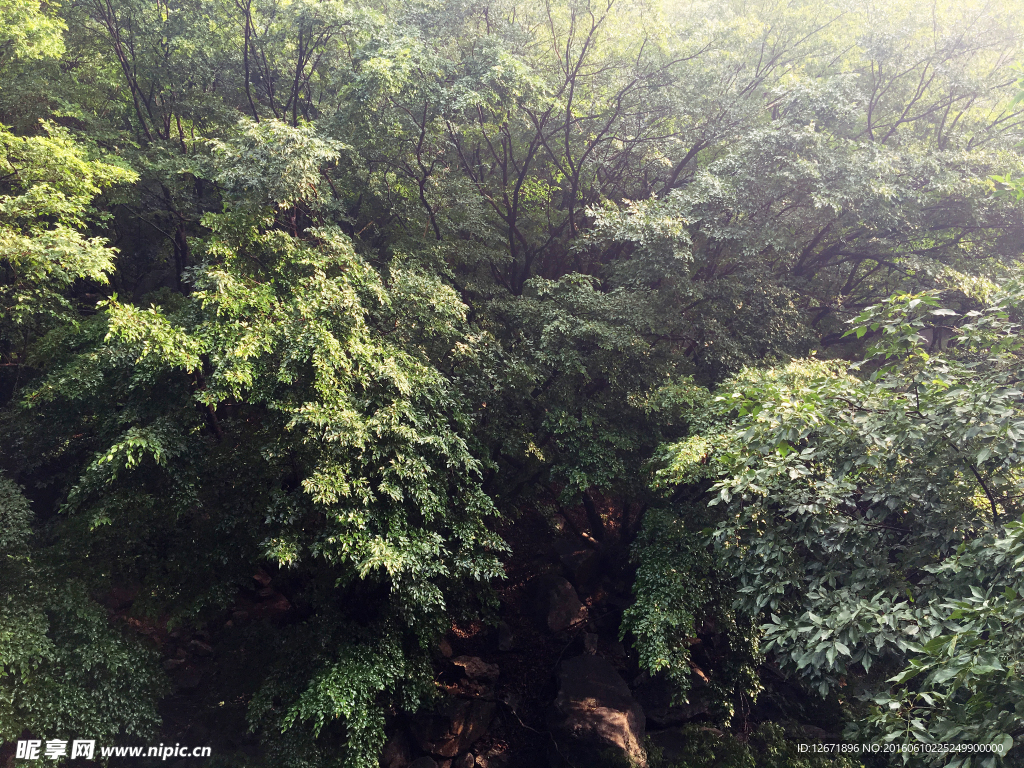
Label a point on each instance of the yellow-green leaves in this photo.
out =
(27, 31)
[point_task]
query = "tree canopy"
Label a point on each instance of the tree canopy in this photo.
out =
(335, 290)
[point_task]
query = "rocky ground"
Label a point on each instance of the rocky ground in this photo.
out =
(547, 683)
(551, 684)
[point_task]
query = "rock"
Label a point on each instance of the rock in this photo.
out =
(498, 760)
(171, 664)
(559, 604)
(465, 761)
(199, 648)
(613, 648)
(457, 724)
(595, 712)
(506, 640)
(423, 762)
(273, 604)
(476, 668)
(581, 562)
(510, 699)
(655, 696)
(396, 753)
(590, 643)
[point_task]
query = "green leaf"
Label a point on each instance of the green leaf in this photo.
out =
(905, 675)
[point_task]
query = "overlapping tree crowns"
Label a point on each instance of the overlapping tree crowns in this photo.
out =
(381, 259)
(268, 417)
(867, 516)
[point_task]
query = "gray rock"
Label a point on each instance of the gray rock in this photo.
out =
(595, 712)
(559, 604)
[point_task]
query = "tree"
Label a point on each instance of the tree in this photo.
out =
(867, 517)
(269, 417)
(50, 182)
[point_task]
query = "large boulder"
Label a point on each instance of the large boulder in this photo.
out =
(581, 562)
(559, 604)
(595, 713)
(396, 753)
(476, 668)
(454, 727)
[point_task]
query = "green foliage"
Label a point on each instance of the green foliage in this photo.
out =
(272, 163)
(64, 671)
(382, 269)
(962, 683)
(29, 32)
(267, 417)
(48, 186)
(679, 589)
(664, 617)
(867, 519)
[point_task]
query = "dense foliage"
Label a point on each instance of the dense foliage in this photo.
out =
(871, 521)
(322, 289)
